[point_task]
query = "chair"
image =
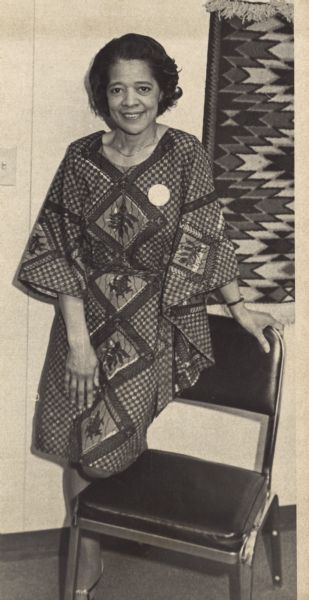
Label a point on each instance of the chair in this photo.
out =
(189, 505)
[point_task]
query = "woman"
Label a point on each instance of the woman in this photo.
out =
(130, 239)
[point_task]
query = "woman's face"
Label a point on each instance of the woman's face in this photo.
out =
(133, 96)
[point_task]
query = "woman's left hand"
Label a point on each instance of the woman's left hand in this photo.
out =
(255, 322)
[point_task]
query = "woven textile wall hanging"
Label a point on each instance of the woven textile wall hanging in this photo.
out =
(248, 129)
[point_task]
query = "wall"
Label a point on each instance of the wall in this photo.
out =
(15, 49)
(44, 108)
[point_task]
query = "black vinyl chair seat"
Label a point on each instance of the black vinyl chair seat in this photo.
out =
(169, 495)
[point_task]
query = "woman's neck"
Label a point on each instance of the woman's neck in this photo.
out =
(130, 144)
(128, 158)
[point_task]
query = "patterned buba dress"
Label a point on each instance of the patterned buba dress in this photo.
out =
(142, 248)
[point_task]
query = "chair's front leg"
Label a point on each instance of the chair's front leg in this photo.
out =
(241, 574)
(273, 549)
(241, 581)
(72, 563)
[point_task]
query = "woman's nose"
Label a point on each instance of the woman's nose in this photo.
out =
(130, 98)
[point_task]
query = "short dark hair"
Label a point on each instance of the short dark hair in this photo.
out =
(133, 46)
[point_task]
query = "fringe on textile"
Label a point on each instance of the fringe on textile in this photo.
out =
(249, 11)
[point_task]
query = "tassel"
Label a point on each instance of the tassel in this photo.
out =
(250, 11)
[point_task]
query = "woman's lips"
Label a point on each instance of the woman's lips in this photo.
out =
(132, 116)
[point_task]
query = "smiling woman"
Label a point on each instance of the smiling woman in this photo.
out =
(133, 47)
(139, 84)
(133, 98)
(130, 240)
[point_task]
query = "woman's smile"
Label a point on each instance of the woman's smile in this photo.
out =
(132, 115)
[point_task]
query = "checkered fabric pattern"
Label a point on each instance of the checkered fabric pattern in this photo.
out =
(165, 356)
(147, 329)
(143, 272)
(55, 413)
(50, 262)
(188, 362)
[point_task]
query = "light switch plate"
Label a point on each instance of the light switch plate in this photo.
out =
(8, 166)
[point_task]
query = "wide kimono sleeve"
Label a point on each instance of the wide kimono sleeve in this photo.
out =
(203, 257)
(52, 261)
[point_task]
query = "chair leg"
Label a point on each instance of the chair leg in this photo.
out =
(241, 582)
(72, 563)
(273, 543)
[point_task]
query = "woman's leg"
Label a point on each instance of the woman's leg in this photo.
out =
(90, 566)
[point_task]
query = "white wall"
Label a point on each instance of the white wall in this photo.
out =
(15, 126)
(50, 45)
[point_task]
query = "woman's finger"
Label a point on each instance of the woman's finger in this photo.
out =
(67, 378)
(279, 326)
(96, 379)
(89, 391)
(263, 342)
(275, 324)
(73, 387)
(80, 392)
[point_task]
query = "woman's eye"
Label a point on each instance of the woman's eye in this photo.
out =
(144, 89)
(115, 91)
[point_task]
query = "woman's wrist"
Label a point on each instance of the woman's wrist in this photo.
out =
(73, 313)
(234, 302)
(237, 309)
(79, 341)
(232, 295)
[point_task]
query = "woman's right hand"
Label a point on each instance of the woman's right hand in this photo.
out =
(81, 374)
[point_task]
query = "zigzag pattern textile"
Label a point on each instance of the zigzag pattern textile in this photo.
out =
(248, 129)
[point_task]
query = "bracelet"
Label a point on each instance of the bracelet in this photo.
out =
(236, 302)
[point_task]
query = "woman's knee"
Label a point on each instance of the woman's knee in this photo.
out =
(92, 473)
(74, 482)
(77, 478)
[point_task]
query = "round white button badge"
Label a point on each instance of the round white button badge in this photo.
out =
(159, 194)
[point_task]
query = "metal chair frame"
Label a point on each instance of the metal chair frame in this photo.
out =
(239, 564)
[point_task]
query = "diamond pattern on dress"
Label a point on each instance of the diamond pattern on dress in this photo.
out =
(95, 314)
(140, 405)
(40, 242)
(139, 269)
(116, 353)
(97, 427)
(123, 220)
(120, 288)
(147, 328)
(191, 254)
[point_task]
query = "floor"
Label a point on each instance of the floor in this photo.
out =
(135, 572)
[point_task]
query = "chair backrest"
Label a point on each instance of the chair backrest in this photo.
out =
(244, 377)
